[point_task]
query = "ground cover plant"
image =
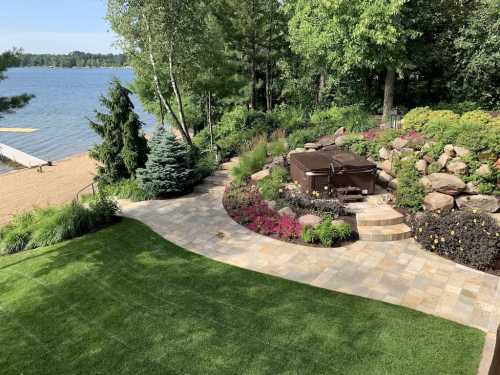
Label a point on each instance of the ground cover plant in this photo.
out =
(124, 300)
(469, 238)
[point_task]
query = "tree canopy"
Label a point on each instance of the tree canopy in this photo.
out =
(10, 103)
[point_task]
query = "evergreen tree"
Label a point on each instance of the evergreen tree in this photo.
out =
(10, 103)
(124, 148)
(168, 169)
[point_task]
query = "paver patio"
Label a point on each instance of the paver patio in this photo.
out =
(398, 272)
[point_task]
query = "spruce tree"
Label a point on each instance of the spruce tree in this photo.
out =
(123, 149)
(168, 169)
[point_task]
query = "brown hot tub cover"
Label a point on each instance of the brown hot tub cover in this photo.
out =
(333, 168)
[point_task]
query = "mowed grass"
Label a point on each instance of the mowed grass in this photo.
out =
(125, 301)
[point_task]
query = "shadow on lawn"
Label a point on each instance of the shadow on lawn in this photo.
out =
(124, 300)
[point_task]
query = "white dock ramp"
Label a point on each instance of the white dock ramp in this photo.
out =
(20, 157)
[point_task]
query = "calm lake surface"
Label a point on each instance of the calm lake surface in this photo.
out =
(65, 98)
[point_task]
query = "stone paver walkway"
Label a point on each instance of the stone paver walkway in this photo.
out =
(398, 272)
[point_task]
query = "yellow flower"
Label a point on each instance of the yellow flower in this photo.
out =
(420, 230)
(436, 241)
(442, 239)
(452, 232)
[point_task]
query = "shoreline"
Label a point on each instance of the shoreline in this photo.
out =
(25, 189)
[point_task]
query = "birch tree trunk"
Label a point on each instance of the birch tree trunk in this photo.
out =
(388, 94)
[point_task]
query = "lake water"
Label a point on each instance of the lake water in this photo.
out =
(65, 98)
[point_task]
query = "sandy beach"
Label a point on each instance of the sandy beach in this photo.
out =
(24, 189)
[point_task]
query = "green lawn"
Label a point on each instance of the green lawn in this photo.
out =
(125, 301)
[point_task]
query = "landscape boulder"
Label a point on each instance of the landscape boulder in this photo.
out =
(258, 176)
(384, 178)
(461, 151)
(340, 131)
(486, 203)
(450, 150)
(327, 140)
(426, 183)
(443, 159)
(457, 167)
(446, 183)
(278, 161)
(387, 167)
(309, 220)
(471, 188)
(421, 166)
(484, 170)
(415, 142)
(340, 141)
(384, 153)
(438, 201)
(287, 211)
(399, 143)
(394, 184)
(428, 159)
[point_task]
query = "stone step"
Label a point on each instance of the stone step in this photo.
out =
(379, 216)
(385, 233)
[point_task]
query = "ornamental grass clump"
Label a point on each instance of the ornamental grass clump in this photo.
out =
(467, 237)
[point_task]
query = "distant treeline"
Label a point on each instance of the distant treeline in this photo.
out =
(73, 59)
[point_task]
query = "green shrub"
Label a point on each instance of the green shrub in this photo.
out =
(476, 117)
(410, 193)
(457, 107)
(250, 162)
(302, 136)
(270, 186)
(353, 118)
(343, 231)
(205, 166)
(416, 118)
(309, 235)
(125, 189)
(45, 227)
(468, 238)
(277, 148)
(289, 118)
(326, 232)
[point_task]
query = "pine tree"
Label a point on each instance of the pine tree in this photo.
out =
(168, 169)
(123, 149)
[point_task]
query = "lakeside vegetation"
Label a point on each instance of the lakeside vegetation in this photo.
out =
(74, 59)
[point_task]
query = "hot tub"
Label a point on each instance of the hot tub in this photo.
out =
(333, 169)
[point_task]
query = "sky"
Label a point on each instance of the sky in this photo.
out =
(55, 26)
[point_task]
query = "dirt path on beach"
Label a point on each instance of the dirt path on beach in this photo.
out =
(27, 188)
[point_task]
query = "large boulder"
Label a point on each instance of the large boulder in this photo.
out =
(484, 170)
(471, 188)
(387, 168)
(443, 160)
(486, 203)
(421, 166)
(383, 178)
(258, 176)
(394, 184)
(415, 141)
(428, 159)
(437, 201)
(426, 183)
(457, 167)
(340, 141)
(287, 211)
(296, 151)
(340, 131)
(446, 183)
(384, 153)
(309, 220)
(461, 151)
(327, 140)
(450, 150)
(399, 143)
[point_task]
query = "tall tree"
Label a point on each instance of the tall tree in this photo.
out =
(123, 148)
(164, 40)
(10, 103)
(352, 34)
